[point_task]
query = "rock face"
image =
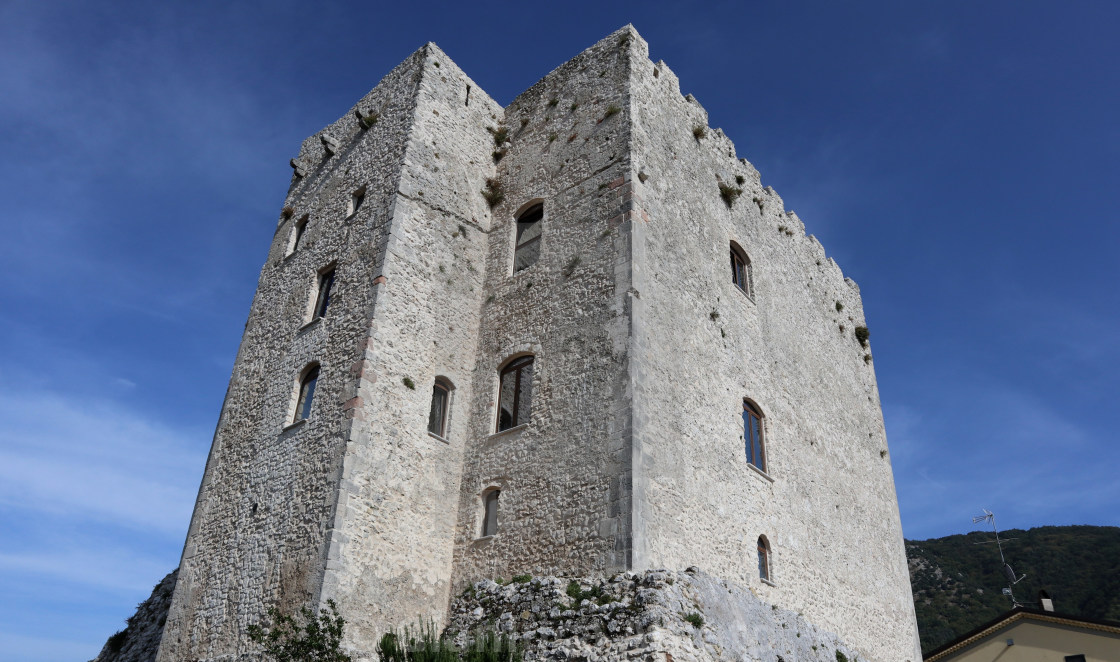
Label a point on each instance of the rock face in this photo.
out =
(654, 615)
(139, 642)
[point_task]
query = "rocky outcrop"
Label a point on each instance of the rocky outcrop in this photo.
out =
(139, 641)
(655, 615)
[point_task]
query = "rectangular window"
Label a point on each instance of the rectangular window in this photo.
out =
(515, 394)
(437, 418)
(490, 518)
(326, 282)
(528, 243)
(752, 436)
(306, 393)
(356, 200)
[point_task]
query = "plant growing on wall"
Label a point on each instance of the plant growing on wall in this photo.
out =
(317, 639)
(493, 192)
(729, 193)
(862, 334)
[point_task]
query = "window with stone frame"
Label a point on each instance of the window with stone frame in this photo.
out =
(298, 229)
(527, 246)
(306, 396)
(753, 435)
(490, 512)
(515, 393)
(323, 298)
(764, 559)
(741, 270)
(441, 402)
(356, 200)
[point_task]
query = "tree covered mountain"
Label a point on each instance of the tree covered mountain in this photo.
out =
(958, 582)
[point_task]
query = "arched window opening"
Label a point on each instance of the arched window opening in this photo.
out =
(490, 512)
(752, 435)
(323, 299)
(528, 243)
(515, 393)
(763, 559)
(297, 233)
(741, 270)
(306, 392)
(441, 400)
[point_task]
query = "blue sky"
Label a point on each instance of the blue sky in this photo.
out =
(958, 159)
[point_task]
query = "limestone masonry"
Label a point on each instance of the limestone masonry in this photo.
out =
(435, 388)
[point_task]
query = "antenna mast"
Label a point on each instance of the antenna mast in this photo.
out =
(989, 516)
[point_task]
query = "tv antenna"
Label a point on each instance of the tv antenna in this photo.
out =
(1008, 572)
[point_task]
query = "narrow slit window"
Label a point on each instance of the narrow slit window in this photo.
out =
(306, 393)
(356, 200)
(752, 436)
(528, 244)
(515, 393)
(763, 559)
(490, 513)
(741, 269)
(437, 417)
(323, 299)
(297, 233)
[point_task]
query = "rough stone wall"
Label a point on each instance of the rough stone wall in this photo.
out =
(563, 476)
(826, 503)
(391, 545)
(258, 535)
(642, 616)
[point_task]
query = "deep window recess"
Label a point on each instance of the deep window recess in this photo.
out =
(490, 516)
(297, 233)
(763, 558)
(326, 282)
(752, 436)
(515, 393)
(741, 270)
(528, 238)
(437, 418)
(356, 200)
(306, 393)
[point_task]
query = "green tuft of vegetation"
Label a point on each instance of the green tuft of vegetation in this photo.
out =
(739, 179)
(840, 657)
(862, 334)
(552, 102)
(553, 136)
(612, 110)
(493, 192)
(839, 306)
(729, 194)
(367, 121)
(287, 212)
(521, 579)
(116, 642)
(696, 619)
(498, 154)
(867, 358)
(407, 381)
(699, 131)
(500, 134)
(572, 108)
(714, 315)
(317, 639)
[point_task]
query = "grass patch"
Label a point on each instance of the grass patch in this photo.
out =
(553, 136)
(407, 381)
(862, 334)
(367, 121)
(699, 131)
(696, 619)
(612, 110)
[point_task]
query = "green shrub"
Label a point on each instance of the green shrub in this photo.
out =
(696, 619)
(839, 306)
(729, 193)
(840, 657)
(407, 381)
(501, 135)
(318, 639)
(553, 136)
(862, 334)
(493, 192)
(367, 121)
(552, 102)
(116, 642)
(521, 579)
(699, 131)
(612, 110)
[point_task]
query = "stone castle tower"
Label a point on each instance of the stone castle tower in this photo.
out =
(572, 335)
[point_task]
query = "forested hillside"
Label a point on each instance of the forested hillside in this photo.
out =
(958, 583)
